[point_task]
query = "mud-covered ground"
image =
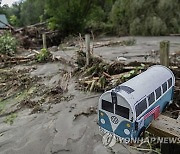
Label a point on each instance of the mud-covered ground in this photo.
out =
(42, 112)
(143, 46)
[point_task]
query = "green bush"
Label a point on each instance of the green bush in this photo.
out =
(8, 44)
(154, 26)
(43, 56)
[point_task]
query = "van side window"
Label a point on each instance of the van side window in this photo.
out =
(107, 106)
(164, 87)
(169, 82)
(151, 98)
(158, 92)
(122, 111)
(140, 107)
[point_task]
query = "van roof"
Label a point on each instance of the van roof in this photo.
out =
(145, 83)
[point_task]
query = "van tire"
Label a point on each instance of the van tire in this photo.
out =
(142, 132)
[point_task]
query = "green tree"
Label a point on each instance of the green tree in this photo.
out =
(15, 14)
(69, 16)
(142, 17)
(98, 17)
(120, 16)
(5, 10)
(31, 11)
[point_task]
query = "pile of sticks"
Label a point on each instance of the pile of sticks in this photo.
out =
(5, 59)
(31, 36)
(101, 75)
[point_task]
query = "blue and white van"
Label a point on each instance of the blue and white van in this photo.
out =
(127, 110)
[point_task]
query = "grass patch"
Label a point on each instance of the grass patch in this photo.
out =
(24, 94)
(15, 99)
(3, 105)
(10, 119)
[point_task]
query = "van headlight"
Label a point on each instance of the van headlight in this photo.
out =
(103, 121)
(126, 131)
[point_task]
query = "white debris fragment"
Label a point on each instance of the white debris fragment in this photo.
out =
(121, 58)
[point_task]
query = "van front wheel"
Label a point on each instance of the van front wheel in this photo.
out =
(142, 132)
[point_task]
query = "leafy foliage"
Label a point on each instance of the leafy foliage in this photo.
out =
(68, 15)
(10, 119)
(32, 11)
(98, 17)
(43, 56)
(141, 17)
(8, 44)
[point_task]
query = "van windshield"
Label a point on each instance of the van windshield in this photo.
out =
(119, 110)
(122, 111)
(107, 106)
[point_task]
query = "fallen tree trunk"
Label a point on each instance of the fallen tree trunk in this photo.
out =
(30, 26)
(11, 27)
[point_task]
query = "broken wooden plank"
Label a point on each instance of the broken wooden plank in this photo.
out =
(107, 75)
(165, 126)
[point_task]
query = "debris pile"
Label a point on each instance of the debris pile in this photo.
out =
(31, 36)
(56, 94)
(21, 90)
(175, 58)
(42, 56)
(101, 76)
(13, 81)
(9, 60)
